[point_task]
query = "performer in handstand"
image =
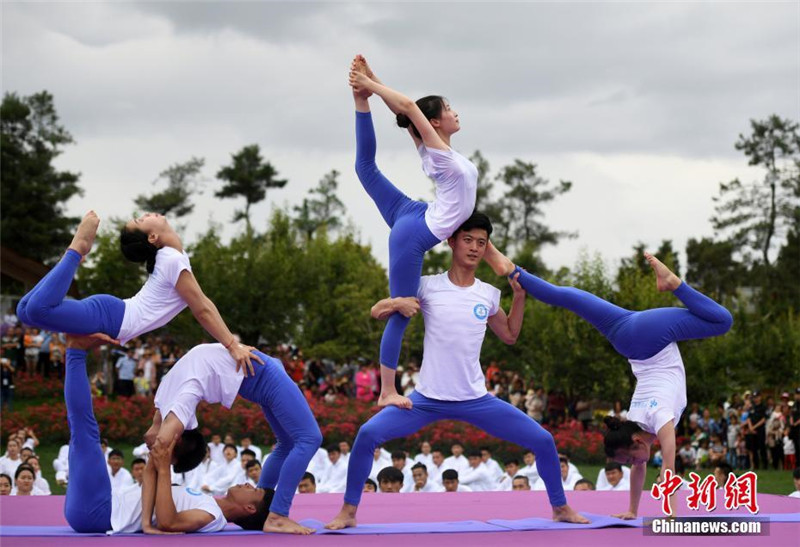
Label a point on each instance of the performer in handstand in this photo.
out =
(648, 339)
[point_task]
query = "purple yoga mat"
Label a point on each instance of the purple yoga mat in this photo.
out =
(597, 521)
(463, 526)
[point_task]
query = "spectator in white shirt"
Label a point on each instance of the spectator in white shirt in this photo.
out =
(615, 478)
(437, 467)
(586, 484)
(5, 485)
(796, 477)
(399, 462)
(450, 482)
(521, 483)
(506, 481)
(137, 470)
(491, 463)
(602, 481)
(378, 463)
(335, 478)
(424, 456)
(421, 483)
(12, 459)
(220, 479)
(216, 447)
(370, 487)
(344, 450)
(390, 480)
(247, 444)
(253, 471)
(120, 477)
(457, 461)
(529, 470)
(319, 464)
(573, 475)
(567, 481)
(197, 477)
(23, 482)
(40, 483)
(308, 484)
(61, 465)
(477, 476)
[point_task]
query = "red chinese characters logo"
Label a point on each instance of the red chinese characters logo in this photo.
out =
(741, 492)
(664, 489)
(702, 493)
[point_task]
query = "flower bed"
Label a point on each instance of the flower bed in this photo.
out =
(127, 420)
(38, 387)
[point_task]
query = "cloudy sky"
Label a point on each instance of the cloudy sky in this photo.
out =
(638, 104)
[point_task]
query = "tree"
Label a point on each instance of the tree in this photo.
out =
(522, 205)
(182, 183)
(322, 209)
(757, 214)
(248, 176)
(34, 192)
(711, 267)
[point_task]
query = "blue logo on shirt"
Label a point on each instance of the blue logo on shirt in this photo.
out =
(653, 403)
(193, 492)
(481, 311)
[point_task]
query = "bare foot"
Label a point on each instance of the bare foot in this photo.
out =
(360, 65)
(665, 279)
(394, 399)
(84, 236)
(498, 261)
(284, 525)
(345, 519)
(565, 513)
(88, 341)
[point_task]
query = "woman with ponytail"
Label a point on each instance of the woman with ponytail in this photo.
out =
(415, 226)
(648, 339)
(169, 288)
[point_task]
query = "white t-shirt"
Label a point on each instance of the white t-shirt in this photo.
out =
(455, 326)
(459, 463)
(795, 494)
(126, 509)
(456, 181)
(206, 373)
(122, 480)
(430, 486)
(602, 481)
(425, 459)
(478, 478)
(660, 394)
(157, 302)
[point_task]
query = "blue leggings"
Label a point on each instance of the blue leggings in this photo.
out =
(636, 334)
(409, 239)
(45, 306)
(489, 413)
(297, 433)
(88, 504)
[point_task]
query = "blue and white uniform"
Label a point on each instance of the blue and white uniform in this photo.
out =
(452, 386)
(416, 226)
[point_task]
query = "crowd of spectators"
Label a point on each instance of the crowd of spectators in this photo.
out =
(746, 431)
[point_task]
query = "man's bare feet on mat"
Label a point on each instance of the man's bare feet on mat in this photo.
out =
(565, 513)
(284, 525)
(345, 519)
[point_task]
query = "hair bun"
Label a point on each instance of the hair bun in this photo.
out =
(612, 422)
(403, 121)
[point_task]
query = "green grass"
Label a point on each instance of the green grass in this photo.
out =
(769, 482)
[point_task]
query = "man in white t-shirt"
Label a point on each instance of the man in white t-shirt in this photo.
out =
(457, 460)
(90, 505)
(491, 463)
(421, 482)
(208, 373)
(450, 482)
(119, 476)
(477, 475)
(457, 309)
(334, 478)
(615, 480)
